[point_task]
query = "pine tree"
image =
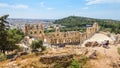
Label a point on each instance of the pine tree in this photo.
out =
(3, 33)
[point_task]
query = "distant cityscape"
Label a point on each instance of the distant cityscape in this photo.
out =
(19, 23)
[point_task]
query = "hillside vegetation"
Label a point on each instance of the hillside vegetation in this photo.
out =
(79, 24)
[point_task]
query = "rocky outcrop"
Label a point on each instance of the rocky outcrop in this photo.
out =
(93, 44)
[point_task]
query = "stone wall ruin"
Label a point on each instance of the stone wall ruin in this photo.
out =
(60, 38)
(35, 30)
(71, 37)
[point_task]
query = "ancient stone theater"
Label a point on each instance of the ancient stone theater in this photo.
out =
(60, 38)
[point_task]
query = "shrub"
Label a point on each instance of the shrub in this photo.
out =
(83, 61)
(75, 64)
(80, 63)
(2, 57)
(38, 44)
(20, 49)
(43, 48)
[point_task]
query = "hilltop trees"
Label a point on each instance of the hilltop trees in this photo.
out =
(79, 24)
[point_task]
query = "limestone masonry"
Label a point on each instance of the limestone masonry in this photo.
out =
(60, 38)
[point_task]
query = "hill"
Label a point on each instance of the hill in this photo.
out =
(80, 23)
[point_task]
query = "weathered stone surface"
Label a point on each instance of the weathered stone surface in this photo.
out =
(71, 37)
(92, 44)
(60, 38)
(56, 59)
(35, 30)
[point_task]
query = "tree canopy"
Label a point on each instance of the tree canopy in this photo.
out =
(14, 37)
(79, 24)
(3, 32)
(8, 37)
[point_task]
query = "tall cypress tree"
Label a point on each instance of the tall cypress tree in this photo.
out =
(3, 33)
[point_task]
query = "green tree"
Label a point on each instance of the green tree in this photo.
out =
(72, 22)
(14, 37)
(37, 44)
(8, 37)
(3, 33)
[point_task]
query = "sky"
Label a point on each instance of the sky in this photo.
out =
(56, 9)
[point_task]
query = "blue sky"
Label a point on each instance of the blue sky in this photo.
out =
(55, 9)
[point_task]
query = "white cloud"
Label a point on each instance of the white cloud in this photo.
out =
(50, 8)
(19, 6)
(3, 5)
(92, 2)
